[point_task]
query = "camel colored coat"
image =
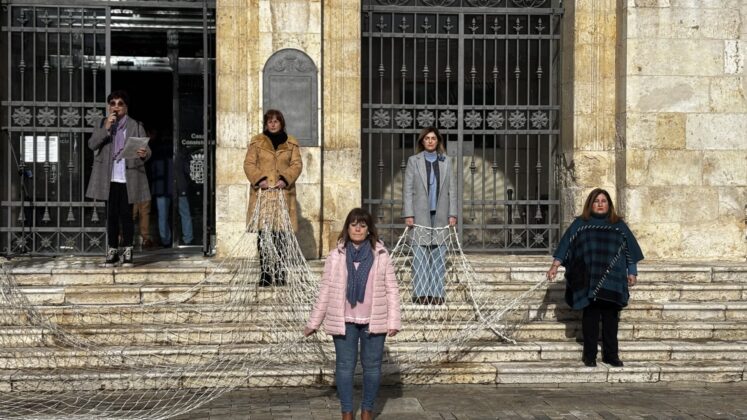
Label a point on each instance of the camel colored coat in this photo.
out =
(262, 161)
(330, 303)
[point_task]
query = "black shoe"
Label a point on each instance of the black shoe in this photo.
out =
(127, 257)
(589, 362)
(613, 361)
(112, 257)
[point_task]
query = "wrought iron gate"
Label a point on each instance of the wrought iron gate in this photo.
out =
(60, 58)
(485, 72)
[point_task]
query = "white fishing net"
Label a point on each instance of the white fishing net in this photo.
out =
(177, 347)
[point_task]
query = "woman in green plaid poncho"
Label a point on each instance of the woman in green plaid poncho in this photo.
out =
(599, 253)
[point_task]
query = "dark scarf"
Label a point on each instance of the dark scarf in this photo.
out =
(432, 174)
(357, 278)
(276, 138)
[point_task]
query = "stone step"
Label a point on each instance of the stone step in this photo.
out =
(544, 372)
(487, 269)
(263, 332)
(731, 311)
(554, 292)
(408, 354)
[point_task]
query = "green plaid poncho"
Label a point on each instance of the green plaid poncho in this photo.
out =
(596, 255)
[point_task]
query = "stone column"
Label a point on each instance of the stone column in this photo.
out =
(237, 96)
(341, 159)
(248, 33)
(588, 102)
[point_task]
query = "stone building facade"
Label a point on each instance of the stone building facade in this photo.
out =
(653, 108)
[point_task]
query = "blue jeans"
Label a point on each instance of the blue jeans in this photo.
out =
(164, 229)
(346, 358)
(428, 270)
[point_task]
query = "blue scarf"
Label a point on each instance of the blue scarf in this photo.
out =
(357, 278)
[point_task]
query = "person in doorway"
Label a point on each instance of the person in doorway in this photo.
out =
(273, 160)
(141, 214)
(430, 200)
(600, 256)
(358, 302)
(118, 181)
(141, 211)
(161, 173)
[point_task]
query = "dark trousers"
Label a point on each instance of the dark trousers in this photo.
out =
(119, 213)
(271, 272)
(609, 313)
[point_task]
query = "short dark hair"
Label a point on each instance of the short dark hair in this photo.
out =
(278, 116)
(119, 94)
(440, 148)
(612, 215)
(359, 215)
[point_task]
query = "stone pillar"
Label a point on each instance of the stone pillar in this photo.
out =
(588, 102)
(237, 95)
(686, 127)
(341, 159)
(248, 33)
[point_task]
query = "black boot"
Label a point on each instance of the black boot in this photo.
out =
(127, 257)
(112, 257)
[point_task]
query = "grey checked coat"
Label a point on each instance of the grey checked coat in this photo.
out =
(101, 173)
(416, 196)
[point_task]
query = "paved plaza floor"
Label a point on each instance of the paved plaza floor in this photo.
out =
(462, 402)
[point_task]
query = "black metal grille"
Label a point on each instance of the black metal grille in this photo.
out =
(485, 72)
(58, 73)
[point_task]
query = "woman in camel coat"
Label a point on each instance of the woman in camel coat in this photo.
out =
(273, 160)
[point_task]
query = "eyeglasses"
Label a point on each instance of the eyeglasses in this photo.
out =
(117, 103)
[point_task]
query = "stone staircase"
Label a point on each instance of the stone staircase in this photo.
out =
(684, 323)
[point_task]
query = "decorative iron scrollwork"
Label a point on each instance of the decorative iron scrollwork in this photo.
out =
(484, 3)
(495, 120)
(403, 118)
(93, 115)
(381, 118)
(473, 119)
(517, 119)
(70, 117)
(438, 3)
(529, 3)
(22, 116)
(539, 119)
(447, 119)
(46, 116)
(426, 118)
(393, 2)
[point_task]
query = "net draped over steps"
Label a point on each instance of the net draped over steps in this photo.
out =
(240, 326)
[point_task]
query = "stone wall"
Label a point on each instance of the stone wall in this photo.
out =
(685, 127)
(248, 33)
(653, 108)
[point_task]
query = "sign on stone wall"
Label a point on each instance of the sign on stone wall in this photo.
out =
(290, 86)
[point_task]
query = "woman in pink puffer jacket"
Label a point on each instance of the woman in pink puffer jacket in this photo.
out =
(358, 304)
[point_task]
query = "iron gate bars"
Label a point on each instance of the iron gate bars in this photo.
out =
(485, 72)
(58, 73)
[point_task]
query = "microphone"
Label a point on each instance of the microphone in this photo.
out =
(113, 128)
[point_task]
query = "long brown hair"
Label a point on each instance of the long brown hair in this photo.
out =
(359, 215)
(612, 215)
(439, 147)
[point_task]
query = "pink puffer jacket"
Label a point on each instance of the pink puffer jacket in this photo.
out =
(330, 304)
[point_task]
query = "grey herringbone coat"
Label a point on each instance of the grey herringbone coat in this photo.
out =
(415, 196)
(101, 173)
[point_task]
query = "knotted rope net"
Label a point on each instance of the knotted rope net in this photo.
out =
(174, 346)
